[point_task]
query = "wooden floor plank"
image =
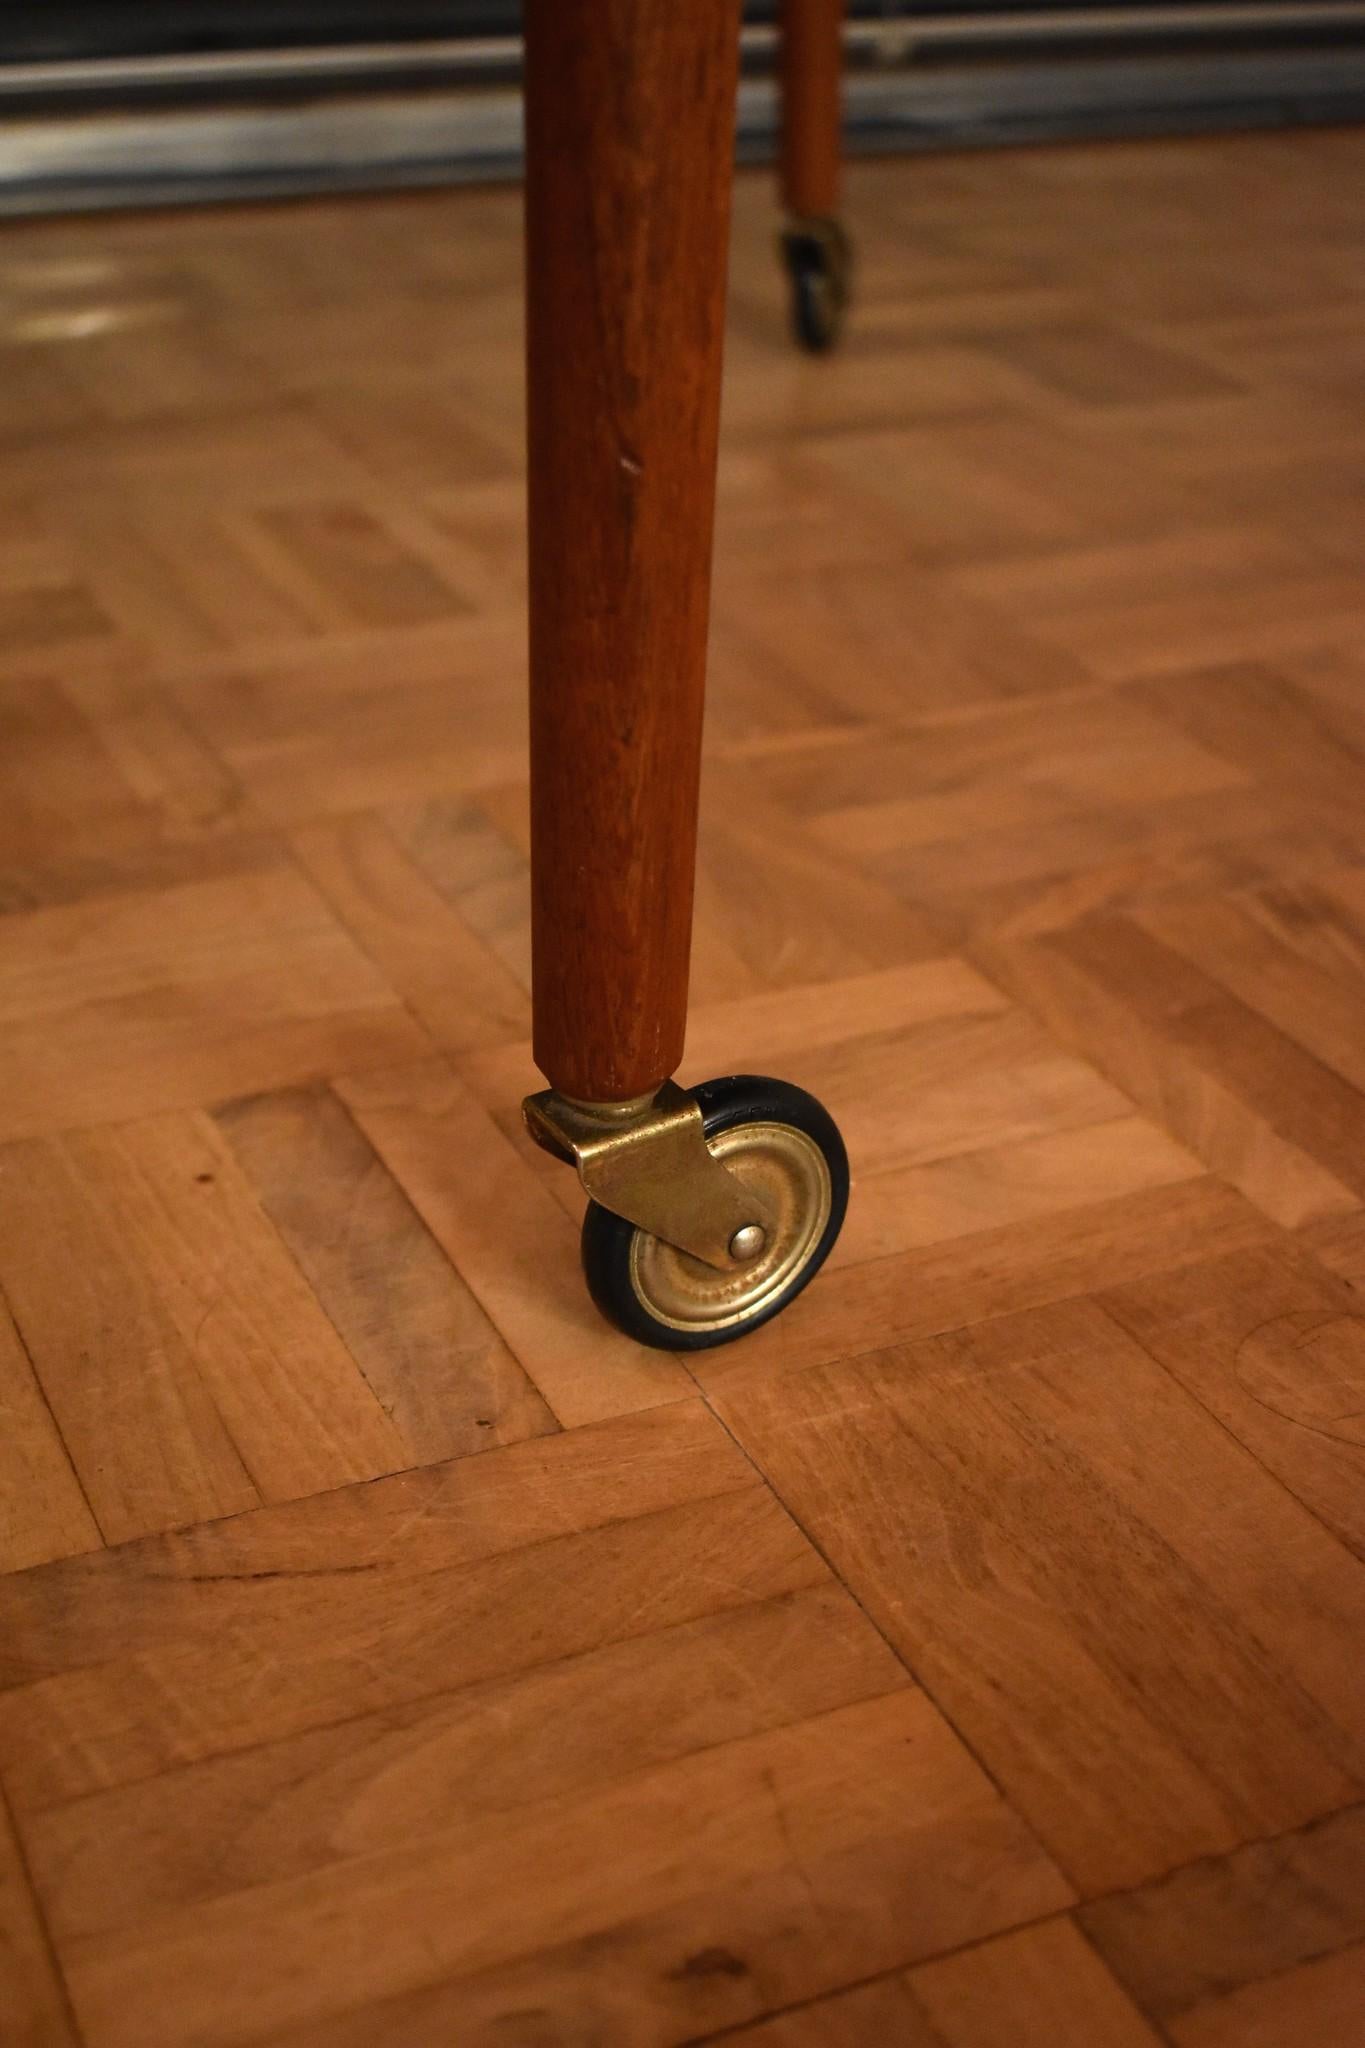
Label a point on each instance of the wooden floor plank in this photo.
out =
(1290, 1090)
(1044, 1980)
(1001, 1185)
(461, 991)
(885, 2010)
(428, 1353)
(965, 1280)
(1187, 1941)
(315, 730)
(1041, 1983)
(1275, 1348)
(43, 1511)
(494, 1220)
(1339, 1242)
(55, 782)
(32, 1996)
(674, 1976)
(1319, 2001)
(168, 999)
(455, 1760)
(809, 1796)
(1013, 1482)
(1236, 1129)
(1313, 1008)
(182, 1309)
(739, 1715)
(475, 852)
(187, 790)
(414, 1598)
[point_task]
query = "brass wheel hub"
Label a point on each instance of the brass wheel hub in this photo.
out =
(787, 1172)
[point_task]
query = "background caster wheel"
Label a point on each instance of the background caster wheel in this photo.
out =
(817, 257)
(778, 1140)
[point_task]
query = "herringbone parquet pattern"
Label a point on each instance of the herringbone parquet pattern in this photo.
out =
(394, 1657)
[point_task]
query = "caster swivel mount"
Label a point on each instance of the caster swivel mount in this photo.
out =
(818, 261)
(709, 1210)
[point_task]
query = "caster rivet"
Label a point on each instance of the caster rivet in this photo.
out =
(748, 1242)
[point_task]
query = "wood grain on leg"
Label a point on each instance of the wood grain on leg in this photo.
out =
(810, 68)
(630, 120)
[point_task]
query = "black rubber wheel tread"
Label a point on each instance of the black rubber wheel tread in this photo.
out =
(818, 273)
(731, 1100)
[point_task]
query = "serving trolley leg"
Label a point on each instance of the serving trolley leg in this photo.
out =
(815, 247)
(711, 1208)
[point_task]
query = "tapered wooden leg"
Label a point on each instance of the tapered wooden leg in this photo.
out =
(814, 245)
(629, 137)
(811, 65)
(710, 1209)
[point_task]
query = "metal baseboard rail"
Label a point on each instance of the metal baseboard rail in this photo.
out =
(91, 161)
(890, 39)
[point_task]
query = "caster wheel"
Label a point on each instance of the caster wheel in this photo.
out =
(817, 257)
(782, 1143)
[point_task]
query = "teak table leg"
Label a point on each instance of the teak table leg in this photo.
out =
(698, 1229)
(811, 161)
(630, 109)
(811, 62)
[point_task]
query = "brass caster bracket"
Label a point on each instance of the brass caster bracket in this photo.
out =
(649, 1161)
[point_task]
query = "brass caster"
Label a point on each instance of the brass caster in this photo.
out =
(818, 259)
(782, 1154)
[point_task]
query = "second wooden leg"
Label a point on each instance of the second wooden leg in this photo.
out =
(815, 247)
(811, 65)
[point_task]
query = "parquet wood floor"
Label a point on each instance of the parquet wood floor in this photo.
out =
(391, 1656)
